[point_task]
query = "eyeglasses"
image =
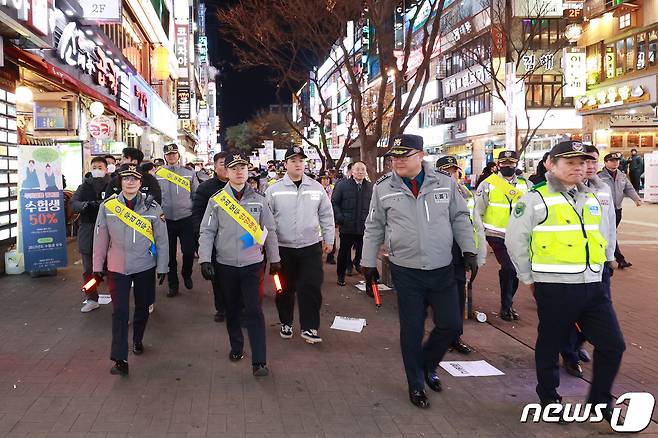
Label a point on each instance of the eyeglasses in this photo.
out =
(405, 158)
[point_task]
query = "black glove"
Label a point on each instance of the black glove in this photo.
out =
(370, 274)
(90, 205)
(275, 268)
(611, 267)
(98, 276)
(471, 263)
(207, 271)
(161, 278)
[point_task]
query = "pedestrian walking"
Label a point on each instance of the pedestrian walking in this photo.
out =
(131, 237)
(149, 185)
(540, 172)
(305, 230)
(556, 243)
(620, 187)
(495, 200)
(449, 165)
(416, 212)
(236, 226)
(202, 196)
(635, 170)
(86, 201)
(351, 203)
(178, 184)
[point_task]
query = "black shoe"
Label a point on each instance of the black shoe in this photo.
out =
(349, 272)
(624, 264)
(547, 401)
(419, 399)
(331, 260)
(460, 347)
(235, 356)
(220, 317)
(189, 284)
(506, 315)
(260, 370)
(433, 381)
(357, 269)
(340, 281)
(515, 315)
(120, 368)
(573, 368)
(173, 290)
(583, 355)
(138, 348)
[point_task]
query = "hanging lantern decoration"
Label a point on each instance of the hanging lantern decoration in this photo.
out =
(161, 63)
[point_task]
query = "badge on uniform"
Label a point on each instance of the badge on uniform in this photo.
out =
(519, 209)
(594, 210)
(441, 197)
(162, 218)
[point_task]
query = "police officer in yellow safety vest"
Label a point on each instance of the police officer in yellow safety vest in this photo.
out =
(131, 236)
(556, 241)
(449, 165)
(495, 200)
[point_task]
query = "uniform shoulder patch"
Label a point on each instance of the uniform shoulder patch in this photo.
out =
(384, 177)
(519, 209)
(538, 185)
(442, 171)
(162, 217)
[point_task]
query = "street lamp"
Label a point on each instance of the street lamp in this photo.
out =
(24, 94)
(96, 109)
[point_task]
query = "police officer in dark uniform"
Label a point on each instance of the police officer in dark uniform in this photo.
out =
(417, 211)
(131, 236)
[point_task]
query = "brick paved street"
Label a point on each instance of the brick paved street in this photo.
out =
(55, 381)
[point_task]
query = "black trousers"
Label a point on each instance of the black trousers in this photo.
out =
(561, 305)
(460, 279)
(183, 230)
(509, 283)
(347, 241)
(302, 274)
(85, 245)
(240, 287)
(618, 255)
(415, 289)
(144, 291)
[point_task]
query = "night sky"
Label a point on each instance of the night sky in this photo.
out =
(240, 93)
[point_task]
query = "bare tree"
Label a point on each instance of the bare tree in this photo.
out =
(291, 36)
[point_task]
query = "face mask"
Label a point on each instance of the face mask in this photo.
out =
(271, 174)
(111, 168)
(97, 173)
(507, 171)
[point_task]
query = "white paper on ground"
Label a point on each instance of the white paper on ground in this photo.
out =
(348, 324)
(104, 299)
(470, 368)
(361, 285)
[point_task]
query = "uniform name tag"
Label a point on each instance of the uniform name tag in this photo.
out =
(594, 210)
(241, 216)
(441, 198)
(174, 178)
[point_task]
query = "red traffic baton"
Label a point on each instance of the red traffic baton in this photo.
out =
(90, 284)
(277, 283)
(375, 294)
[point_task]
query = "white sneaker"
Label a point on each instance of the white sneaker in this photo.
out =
(311, 336)
(286, 331)
(151, 307)
(89, 306)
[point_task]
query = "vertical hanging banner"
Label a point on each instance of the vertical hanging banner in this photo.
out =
(43, 222)
(575, 71)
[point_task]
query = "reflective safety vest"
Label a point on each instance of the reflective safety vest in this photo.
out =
(565, 242)
(500, 205)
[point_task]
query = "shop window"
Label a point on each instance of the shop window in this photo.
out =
(625, 21)
(641, 48)
(652, 47)
(630, 54)
(646, 141)
(633, 140)
(619, 61)
(542, 33)
(616, 142)
(546, 91)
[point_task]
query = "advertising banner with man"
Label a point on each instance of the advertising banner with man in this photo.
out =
(43, 222)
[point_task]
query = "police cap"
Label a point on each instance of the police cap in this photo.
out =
(570, 149)
(405, 145)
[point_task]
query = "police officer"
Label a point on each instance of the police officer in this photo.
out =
(149, 186)
(202, 196)
(620, 187)
(417, 212)
(178, 185)
(495, 199)
(86, 201)
(305, 229)
(556, 243)
(131, 236)
(573, 353)
(233, 255)
(449, 165)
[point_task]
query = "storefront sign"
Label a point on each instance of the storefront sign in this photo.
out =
(633, 120)
(107, 11)
(450, 112)
(651, 177)
(33, 13)
(640, 91)
(101, 128)
(471, 78)
(141, 96)
(43, 222)
(183, 101)
(575, 71)
(538, 62)
(462, 30)
(203, 49)
(181, 46)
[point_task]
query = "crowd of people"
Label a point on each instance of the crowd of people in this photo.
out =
(553, 231)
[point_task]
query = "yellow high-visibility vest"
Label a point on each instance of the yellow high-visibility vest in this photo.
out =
(565, 242)
(502, 200)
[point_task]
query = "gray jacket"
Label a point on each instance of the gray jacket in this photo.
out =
(608, 219)
(303, 215)
(418, 232)
(176, 201)
(620, 187)
(478, 226)
(127, 251)
(220, 231)
(519, 234)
